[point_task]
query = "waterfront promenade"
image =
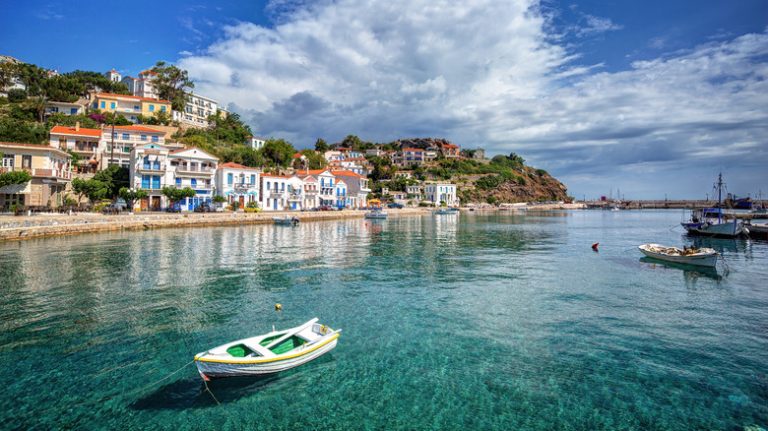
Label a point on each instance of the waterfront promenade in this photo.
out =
(41, 225)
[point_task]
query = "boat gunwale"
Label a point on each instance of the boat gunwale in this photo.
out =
(200, 357)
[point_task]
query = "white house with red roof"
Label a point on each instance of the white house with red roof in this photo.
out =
(82, 141)
(238, 183)
(310, 191)
(357, 188)
(326, 186)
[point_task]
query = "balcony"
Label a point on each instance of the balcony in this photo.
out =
(242, 187)
(276, 194)
(187, 170)
(151, 168)
(294, 198)
(64, 174)
(311, 192)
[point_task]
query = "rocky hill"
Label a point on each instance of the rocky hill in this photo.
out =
(531, 185)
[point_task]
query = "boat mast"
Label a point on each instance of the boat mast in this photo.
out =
(719, 186)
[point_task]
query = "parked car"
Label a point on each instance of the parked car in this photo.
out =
(175, 208)
(204, 208)
(394, 205)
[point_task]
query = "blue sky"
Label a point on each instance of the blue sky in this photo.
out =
(650, 97)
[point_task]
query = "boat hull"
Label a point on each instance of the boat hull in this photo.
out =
(708, 260)
(724, 230)
(217, 370)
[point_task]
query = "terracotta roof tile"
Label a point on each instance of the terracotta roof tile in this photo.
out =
(67, 130)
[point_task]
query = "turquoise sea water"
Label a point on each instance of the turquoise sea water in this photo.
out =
(471, 321)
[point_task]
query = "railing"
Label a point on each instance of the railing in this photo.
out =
(276, 195)
(294, 198)
(160, 168)
(131, 138)
(38, 172)
(188, 170)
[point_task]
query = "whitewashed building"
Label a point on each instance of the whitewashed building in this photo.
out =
(84, 142)
(311, 191)
(274, 192)
(125, 139)
(256, 143)
(194, 168)
(196, 111)
(356, 188)
(238, 183)
(113, 75)
(437, 193)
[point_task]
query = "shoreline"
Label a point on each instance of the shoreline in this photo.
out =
(43, 226)
(19, 228)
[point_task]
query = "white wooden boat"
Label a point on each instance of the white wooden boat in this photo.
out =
(269, 353)
(443, 211)
(692, 256)
(376, 214)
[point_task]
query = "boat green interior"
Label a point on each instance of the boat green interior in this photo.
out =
(288, 345)
(239, 351)
(268, 340)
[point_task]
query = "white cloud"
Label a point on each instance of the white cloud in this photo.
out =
(488, 73)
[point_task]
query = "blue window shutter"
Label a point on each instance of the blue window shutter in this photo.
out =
(253, 179)
(103, 104)
(112, 105)
(155, 139)
(229, 179)
(151, 108)
(126, 136)
(178, 182)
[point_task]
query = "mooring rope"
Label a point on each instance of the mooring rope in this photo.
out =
(166, 377)
(209, 391)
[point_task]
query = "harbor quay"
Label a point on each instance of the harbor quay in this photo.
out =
(38, 226)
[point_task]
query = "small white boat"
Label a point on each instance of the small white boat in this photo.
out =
(689, 256)
(269, 353)
(376, 214)
(286, 221)
(443, 211)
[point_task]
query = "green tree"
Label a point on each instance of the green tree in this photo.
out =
(93, 81)
(175, 195)
(351, 141)
(278, 152)
(14, 177)
(93, 189)
(114, 178)
(321, 146)
(63, 88)
(15, 130)
(8, 72)
(172, 84)
(16, 95)
(315, 159)
(131, 196)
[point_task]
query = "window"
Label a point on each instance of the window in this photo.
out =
(53, 109)
(126, 136)
(112, 105)
(178, 182)
(151, 108)
(72, 111)
(143, 137)
(155, 181)
(229, 179)
(155, 139)
(136, 108)
(103, 104)
(146, 162)
(114, 135)
(8, 160)
(253, 179)
(26, 161)
(267, 185)
(162, 108)
(194, 182)
(145, 181)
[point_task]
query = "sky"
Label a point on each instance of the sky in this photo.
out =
(650, 98)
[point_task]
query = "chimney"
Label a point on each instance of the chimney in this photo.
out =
(77, 126)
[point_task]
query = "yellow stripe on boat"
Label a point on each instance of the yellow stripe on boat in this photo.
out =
(266, 360)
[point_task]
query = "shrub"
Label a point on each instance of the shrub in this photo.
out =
(252, 205)
(252, 209)
(16, 95)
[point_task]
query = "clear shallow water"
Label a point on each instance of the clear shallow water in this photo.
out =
(454, 322)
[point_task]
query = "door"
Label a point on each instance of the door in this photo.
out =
(242, 201)
(144, 204)
(155, 203)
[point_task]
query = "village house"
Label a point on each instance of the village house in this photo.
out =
(130, 107)
(238, 183)
(125, 138)
(438, 193)
(50, 170)
(81, 141)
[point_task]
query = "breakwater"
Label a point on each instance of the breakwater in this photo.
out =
(38, 226)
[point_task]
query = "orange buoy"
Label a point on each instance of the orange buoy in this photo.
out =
(594, 246)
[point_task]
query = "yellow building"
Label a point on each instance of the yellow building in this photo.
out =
(50, 169)
(130, 106)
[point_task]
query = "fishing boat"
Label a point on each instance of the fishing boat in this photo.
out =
(269, 353)
(713, 221)
(443, 211)
(286, 221)
(376, 214)
(689, 256)
(758, 230)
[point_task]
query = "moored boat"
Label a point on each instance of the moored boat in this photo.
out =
(376, 214)
(268, 353)
(714, 221)
(689, 256)
(286, 221)
(443, 211)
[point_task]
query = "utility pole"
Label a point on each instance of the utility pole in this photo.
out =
(112, 155)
